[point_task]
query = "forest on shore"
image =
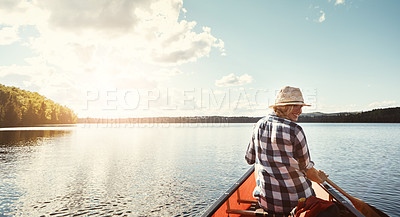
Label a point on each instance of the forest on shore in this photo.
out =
(384, 115)
(24, 108)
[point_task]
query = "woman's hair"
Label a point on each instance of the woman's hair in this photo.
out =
(283, 111)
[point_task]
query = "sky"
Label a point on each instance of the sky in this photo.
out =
(136, 58)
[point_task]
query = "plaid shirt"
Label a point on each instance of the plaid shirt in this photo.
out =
(279, 149)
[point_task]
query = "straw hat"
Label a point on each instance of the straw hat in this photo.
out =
(289, 96)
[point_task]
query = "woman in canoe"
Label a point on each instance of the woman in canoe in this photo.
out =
(279, 150)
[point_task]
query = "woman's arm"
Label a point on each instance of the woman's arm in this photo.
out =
(251, 152)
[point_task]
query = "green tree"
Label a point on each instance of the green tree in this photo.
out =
(29, 117)
(11, 116)
(21, 107)
(42, 113)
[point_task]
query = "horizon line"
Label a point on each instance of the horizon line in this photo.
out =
(231, 116)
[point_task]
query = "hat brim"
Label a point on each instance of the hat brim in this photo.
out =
(283, 104)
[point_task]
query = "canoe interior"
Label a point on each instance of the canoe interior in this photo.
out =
(238, 200)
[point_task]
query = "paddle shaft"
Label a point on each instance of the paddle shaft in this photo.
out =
(339, 189)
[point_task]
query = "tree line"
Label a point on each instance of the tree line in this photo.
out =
(194, 119)
(386, 115)
(24, 108)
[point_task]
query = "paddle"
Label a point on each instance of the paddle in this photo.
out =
(366, 209)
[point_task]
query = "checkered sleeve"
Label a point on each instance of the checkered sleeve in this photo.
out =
(251, 152)
(302, 152)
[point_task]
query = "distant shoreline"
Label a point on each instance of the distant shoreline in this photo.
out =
(387, 115)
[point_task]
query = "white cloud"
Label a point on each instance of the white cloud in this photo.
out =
(20, 12)
(182, 45)
(8, 35)
(383, 104)
(8, 4)
(147, 30)
(171, 72)
(93, 14)
(338, 2)
(77, 33)
(233, 80)
(322, 17)
(103, 44)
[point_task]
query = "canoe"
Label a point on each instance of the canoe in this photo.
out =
(238, 200)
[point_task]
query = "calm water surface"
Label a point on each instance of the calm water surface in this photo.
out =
(174, 169)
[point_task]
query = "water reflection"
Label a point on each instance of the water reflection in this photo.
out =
(20, 176)
(16, 143)
(164, 171)
(28, 137)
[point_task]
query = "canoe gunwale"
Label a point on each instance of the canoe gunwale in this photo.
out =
(221, 200)
(341, 200)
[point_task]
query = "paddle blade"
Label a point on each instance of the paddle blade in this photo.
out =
(366, 209)
(380, 213)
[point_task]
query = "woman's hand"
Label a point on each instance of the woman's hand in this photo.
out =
(322, 175)
(316, 176)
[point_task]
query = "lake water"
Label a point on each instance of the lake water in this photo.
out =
(174, 169)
